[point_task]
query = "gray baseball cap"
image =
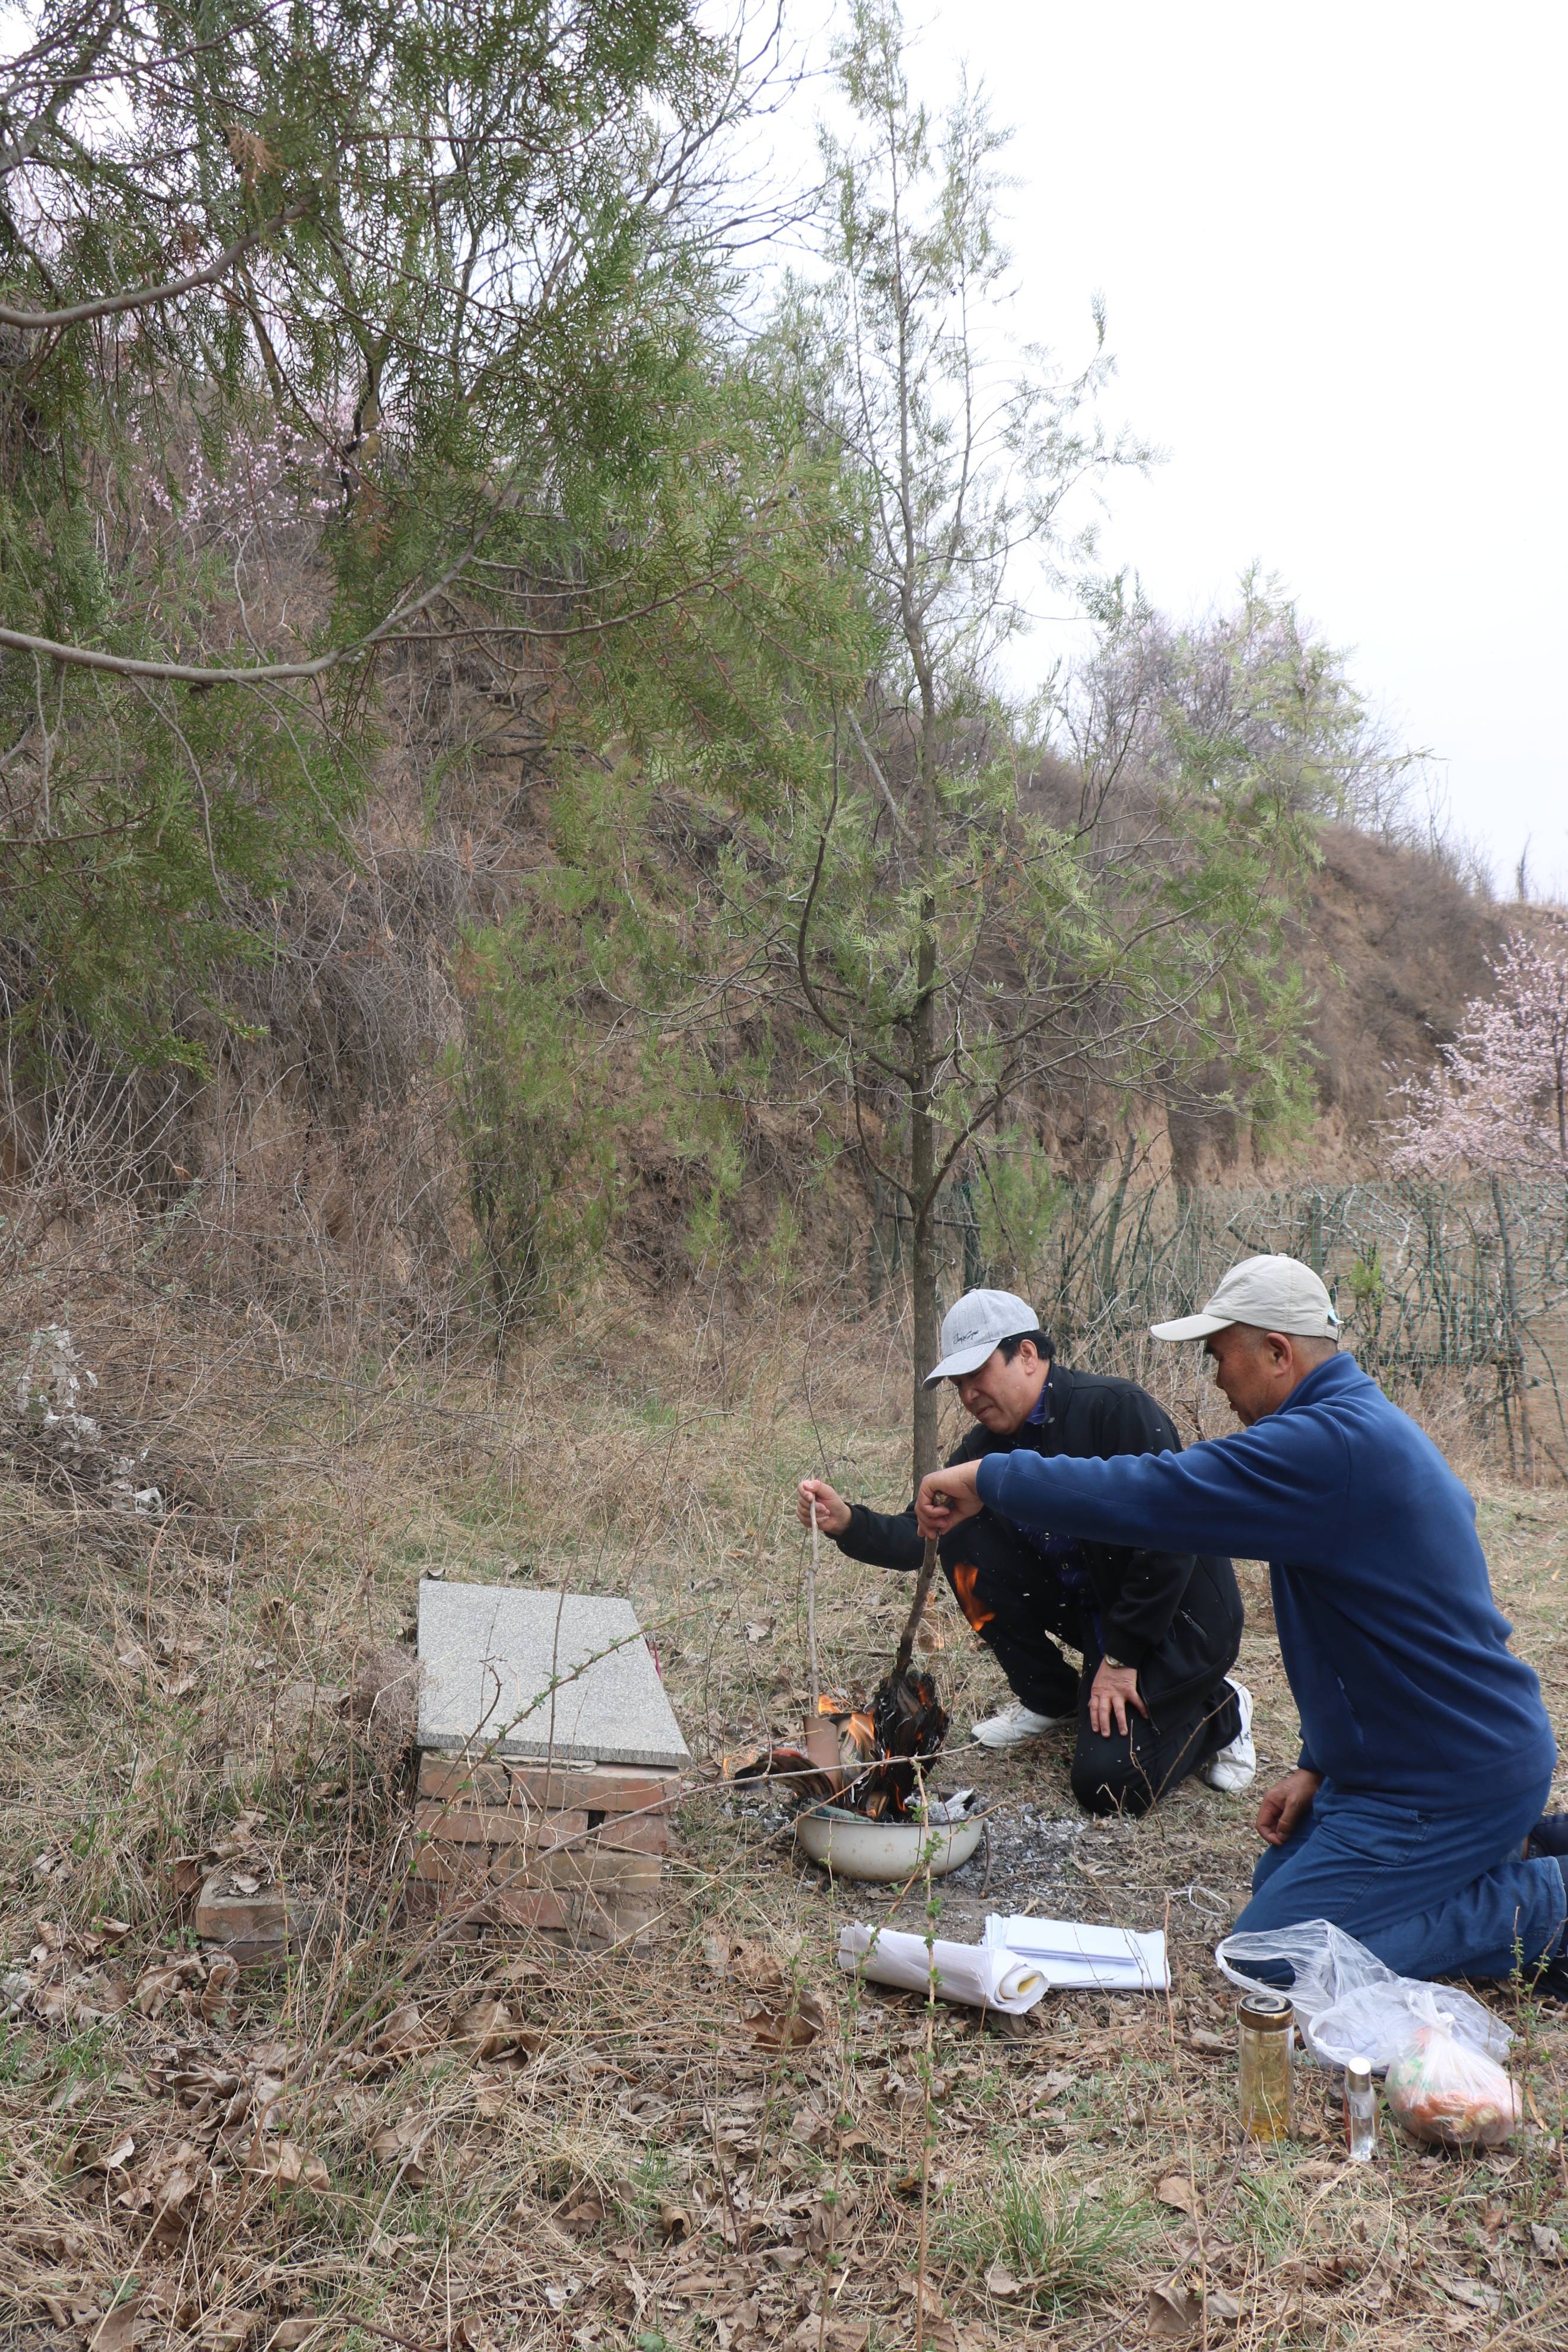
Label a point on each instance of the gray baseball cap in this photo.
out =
(971, 1330)
(1276, 1293)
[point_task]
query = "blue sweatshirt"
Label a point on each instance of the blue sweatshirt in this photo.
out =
(1397, 1654)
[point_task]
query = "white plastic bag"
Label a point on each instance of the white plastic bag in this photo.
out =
(1347, 2004)
(1443, 2091)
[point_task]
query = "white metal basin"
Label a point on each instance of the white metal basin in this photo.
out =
(851, 1847)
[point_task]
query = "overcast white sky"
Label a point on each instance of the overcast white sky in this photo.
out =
(1330, 240)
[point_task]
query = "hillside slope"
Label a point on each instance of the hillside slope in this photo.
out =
(320, 1154)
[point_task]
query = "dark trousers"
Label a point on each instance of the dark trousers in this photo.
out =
(1016, 1601)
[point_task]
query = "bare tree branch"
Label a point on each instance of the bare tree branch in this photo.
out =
(142, 298)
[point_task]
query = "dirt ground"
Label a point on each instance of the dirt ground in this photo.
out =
(404, 2138)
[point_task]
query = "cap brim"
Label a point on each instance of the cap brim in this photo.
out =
(1191, 1327)
(962, 1360)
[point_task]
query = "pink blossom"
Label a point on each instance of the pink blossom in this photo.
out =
(268, 481)
(1497, 1098)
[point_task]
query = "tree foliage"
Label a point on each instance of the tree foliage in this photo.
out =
(327, 329)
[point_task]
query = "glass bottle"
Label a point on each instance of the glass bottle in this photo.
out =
(1266, 2031)
(1359, 2112)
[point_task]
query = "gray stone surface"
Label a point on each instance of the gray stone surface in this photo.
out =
(486, 1659)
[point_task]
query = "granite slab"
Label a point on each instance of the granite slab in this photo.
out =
(488, 1656)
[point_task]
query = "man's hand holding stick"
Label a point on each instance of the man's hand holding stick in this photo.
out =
(947, 1496)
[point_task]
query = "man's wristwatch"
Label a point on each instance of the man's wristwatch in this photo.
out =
(1117, 1665)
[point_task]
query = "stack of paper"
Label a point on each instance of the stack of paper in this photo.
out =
(1069, 1952)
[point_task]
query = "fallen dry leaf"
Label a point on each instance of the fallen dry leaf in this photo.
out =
(115, 2158)
(105, 1998)
(179, 2195)
(125, 2328)
(1001, 2282)
(789, 2028)
(402, 2032)
(222, 1982)
(156, 1988)
(1174, 2312)
(1213, 2045)
(398, 2145)
(1546, 2243)
(948, 2335)
(836, 2335)
(290, 2334)
(583, 2212)
(292, 2167)
(493, 2031)
(752, 1965)
(1471, 2292)
(1176, 2190)
(228, 2331)
(675, 2222)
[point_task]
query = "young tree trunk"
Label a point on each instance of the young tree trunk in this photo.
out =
(923, 1260)
(921, 1119)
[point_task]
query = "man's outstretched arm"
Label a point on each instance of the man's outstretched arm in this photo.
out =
(880, 1539)
(1247, 1495)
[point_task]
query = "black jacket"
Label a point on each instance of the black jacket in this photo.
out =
(1183, 1605)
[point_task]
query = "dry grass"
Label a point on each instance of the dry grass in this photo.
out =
(319, 2157)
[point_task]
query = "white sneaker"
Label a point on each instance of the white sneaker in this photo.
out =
(1236, 1766)
(1014, 1725)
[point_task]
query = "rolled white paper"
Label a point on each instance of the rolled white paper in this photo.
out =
(962, 1972)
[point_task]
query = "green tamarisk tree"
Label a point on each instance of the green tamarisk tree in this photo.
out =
(977, 922)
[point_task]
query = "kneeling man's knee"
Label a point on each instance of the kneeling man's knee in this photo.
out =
(1119, 1787)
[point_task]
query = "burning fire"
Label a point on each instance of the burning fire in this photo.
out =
(857, 1731)
(882, 1740)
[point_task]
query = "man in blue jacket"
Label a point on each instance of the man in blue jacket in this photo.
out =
(1413, 1818)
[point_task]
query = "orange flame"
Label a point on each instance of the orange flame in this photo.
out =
(964, 1579)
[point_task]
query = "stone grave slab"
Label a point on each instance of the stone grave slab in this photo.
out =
(486, 1659)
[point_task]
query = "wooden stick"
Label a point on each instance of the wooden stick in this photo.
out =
(811, 1606)
(922, 1589)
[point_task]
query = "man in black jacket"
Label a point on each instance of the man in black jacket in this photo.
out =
(1158, 1631)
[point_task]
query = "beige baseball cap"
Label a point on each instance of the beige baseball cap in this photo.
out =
(1273, 1293)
